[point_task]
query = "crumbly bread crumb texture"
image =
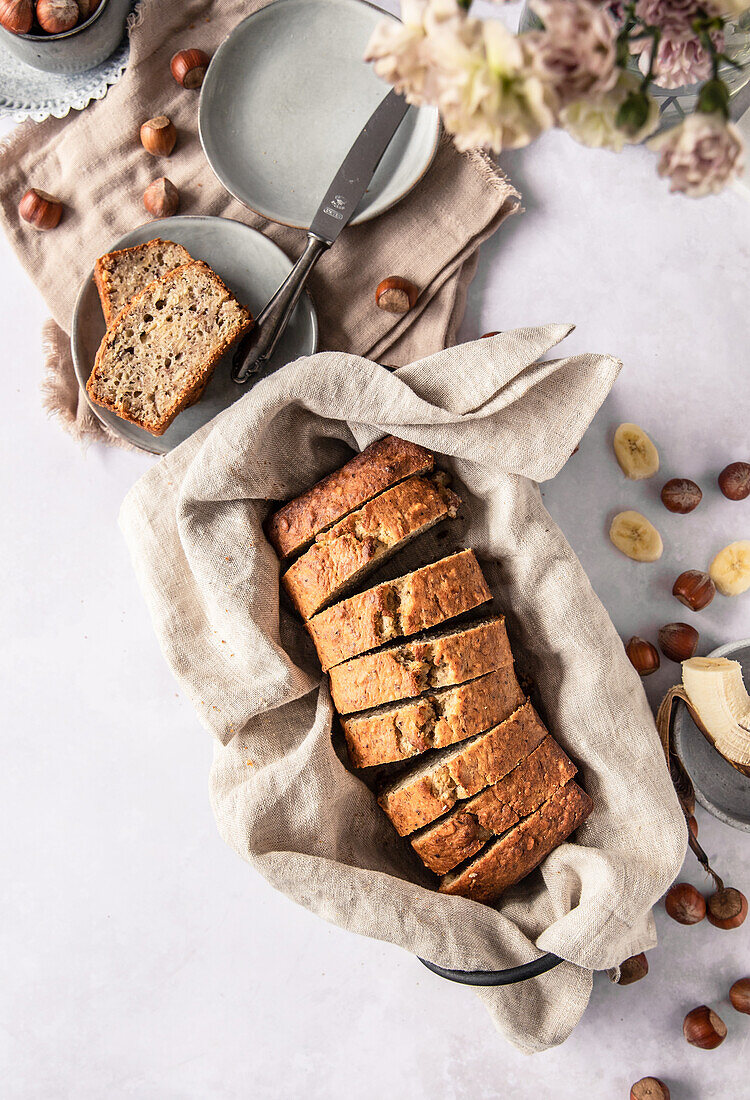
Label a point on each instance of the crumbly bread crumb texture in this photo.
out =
(120, 275)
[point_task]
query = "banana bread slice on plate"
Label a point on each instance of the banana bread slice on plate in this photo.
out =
(433, 721)
(409, 668)
(447, 775)
(511, 857)
(122, 274)
(404, 606)
(350, 550)
(470, 824)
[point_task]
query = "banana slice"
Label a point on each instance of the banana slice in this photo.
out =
(717, 693)
(730, 569)
(636, 454)
(636, 536)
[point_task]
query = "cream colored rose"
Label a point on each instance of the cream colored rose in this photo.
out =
(593, 121)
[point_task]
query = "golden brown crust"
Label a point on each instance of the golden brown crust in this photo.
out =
(430, 790)
(470, 824)
(352, 548)
(434, 721)
(507, 860)
(403, 671)
(378, 467)
(404, 606)
(191, 392)
(103, 268)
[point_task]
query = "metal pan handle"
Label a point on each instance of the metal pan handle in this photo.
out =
(497, 977)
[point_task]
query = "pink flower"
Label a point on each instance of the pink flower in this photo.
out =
(680, 58)
(575, 53)
(701, 155)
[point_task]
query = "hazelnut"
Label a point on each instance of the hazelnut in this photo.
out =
(681, 495)
(649, 1088)
(694, 588)
(158, 136)
(396, 295)
(734, 480)
(161, 198)
(703, 1028)
(17, 16)
(644, 657)
(678, 641)
(727, 908)
(189, 67)
(486, 335)
(739, 995)
(87, 7)
(57, 16)
(40, 209)
(633, 969)
(685, 904)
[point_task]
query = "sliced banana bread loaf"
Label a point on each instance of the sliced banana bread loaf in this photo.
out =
(120, 275)
(415, 602)
(381, 465)
(445, 776)
(407, 669)
(347, 552)
(511, 857)
(164, 346)
(469, 825)
(433, 721)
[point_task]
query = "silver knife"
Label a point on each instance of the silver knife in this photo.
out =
(341, 200)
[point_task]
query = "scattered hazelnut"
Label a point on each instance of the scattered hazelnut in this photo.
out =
(703, 1028)
(17, 16)
(396, 295)
(40, 209)
(189, 67)
(734, 480)
(693, 826)
(161, 198)
(486, 335)
(739, 995)
(644, 656)
(678, 641)
(681, 495)
(633, 969)
(57, 16)
(727, 908)
(158, 136)
(685, 904)
(649, 1088)
(694, 588)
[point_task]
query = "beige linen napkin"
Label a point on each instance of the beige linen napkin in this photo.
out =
(94, 162)
(500, 421)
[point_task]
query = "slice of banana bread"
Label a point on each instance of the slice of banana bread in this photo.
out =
(445, 776)
(404, 606)
(470, 824)
(511, 857)
(120, 275)
(381, 465)
(409, 668)
(347, 552)
(433, 721)
(163, 347)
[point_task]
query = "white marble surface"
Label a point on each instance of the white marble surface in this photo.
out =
(141, 958)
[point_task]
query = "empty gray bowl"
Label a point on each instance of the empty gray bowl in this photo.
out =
(77, 50)
(720, 788)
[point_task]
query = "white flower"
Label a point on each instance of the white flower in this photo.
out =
(487, 95)
(575, 53)
(399, 53)
(701, 155)
(593, 121)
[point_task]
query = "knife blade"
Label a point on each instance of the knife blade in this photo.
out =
(339, 204)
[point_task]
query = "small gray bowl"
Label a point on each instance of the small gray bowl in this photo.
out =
(720, 788)
(77, 50)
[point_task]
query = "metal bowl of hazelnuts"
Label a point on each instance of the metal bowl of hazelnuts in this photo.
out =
(721, 789)
(63, 36)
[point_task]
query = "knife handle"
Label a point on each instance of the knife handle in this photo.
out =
(258, 346)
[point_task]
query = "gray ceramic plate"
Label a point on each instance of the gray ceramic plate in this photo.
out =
(284, 98)
(251, 266)
(719, 787)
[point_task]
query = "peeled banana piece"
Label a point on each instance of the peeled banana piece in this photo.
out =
(636, 536)
(721, 704)
(730, 569)
(636, 454)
